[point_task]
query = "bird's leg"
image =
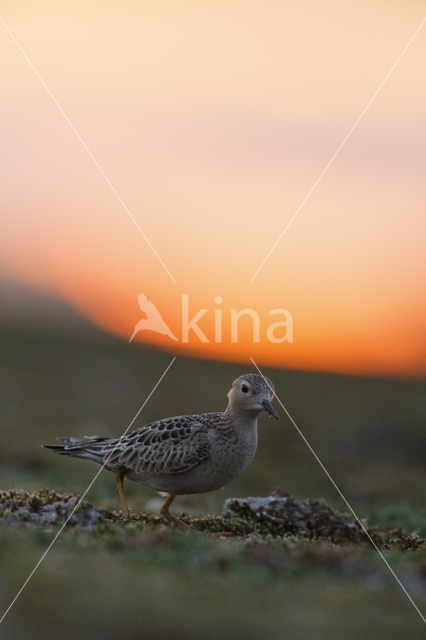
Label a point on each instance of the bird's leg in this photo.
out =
(119, 480)
(166, 513)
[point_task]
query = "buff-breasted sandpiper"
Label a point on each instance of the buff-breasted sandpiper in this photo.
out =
(185, 454)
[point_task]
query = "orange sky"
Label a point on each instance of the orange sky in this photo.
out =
(213, 121)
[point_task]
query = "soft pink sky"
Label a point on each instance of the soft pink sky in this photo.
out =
(213, 121)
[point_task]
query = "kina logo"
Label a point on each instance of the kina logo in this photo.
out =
(154, 322)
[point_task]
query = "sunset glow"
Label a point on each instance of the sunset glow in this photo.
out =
(213, 121)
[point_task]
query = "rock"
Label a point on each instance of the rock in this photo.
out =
(279, 514)
(43, 509)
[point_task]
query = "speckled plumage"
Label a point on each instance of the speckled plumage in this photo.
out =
(185, 454)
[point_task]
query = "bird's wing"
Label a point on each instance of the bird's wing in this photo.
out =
(167, 446)
(149, 308)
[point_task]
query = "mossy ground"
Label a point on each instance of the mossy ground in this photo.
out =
(148, 579)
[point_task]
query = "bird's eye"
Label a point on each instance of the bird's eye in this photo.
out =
(244, 388)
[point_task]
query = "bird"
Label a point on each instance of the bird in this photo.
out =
(187, 454)
(153, 321)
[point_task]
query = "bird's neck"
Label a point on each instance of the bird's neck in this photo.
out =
(243, 419)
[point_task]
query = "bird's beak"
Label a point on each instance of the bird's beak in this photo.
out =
(270, 409)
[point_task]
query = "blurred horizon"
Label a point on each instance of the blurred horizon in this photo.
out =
(61, 375)
(34, 309)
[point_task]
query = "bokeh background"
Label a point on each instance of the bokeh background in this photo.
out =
(213, 121)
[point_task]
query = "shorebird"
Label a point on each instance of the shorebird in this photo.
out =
(184, 454)
(153, 321)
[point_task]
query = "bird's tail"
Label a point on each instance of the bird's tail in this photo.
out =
(90, 448)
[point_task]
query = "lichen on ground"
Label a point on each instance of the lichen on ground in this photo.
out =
(277, 516)
(280, 514)
(47, 508)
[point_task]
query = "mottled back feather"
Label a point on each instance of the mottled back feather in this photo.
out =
(167, 446)
(172, 445)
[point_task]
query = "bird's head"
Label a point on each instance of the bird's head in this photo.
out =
(253, 394)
